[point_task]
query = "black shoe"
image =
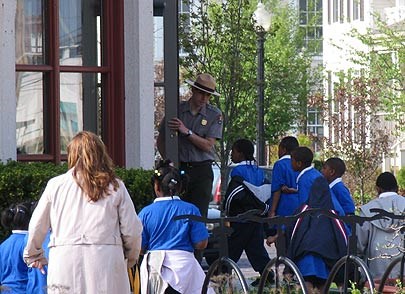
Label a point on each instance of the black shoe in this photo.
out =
(270, 280)
(255, 283)
(270, 277)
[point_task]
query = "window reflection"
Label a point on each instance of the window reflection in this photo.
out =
(158, 49)
(80, 105)
(30, 122)
(79, 36)
(30, 32)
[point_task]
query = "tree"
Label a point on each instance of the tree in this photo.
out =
(385, 63)
(366, 99)
(357, 135)
(219, 38)
(401, 180)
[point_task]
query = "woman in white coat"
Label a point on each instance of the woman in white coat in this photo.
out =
(95, 231)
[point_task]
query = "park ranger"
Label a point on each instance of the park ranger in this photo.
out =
(199, 125)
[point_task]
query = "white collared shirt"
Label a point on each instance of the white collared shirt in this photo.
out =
(166, 198)
(19, 231)
(287, 156)
(304, 171)
(337, 180)
(246, 162)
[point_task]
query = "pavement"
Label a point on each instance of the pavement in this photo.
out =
(247, 269)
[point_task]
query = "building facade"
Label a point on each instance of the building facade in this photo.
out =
(339, 18)
(78, 65)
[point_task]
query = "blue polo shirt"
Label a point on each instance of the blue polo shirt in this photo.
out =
(283, 174)
(250, 172)
(342, 195)
(161, 232)
(13, 270)
(304, 183)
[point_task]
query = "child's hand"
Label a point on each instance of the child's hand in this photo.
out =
(271, 239)
(37, 264)
(288, 190)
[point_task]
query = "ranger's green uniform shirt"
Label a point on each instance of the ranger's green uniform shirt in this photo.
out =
(207, 124)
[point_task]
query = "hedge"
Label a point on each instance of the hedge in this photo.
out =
(21, 182)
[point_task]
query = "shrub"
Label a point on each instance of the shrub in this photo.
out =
(25, 181)
(138, 183)
(401, 179)
(21, 182)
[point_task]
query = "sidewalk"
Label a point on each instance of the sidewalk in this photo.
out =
(247, 269)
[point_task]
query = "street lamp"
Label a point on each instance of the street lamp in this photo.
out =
(262, 21)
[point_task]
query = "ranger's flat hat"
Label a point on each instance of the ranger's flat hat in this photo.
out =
(204, 82)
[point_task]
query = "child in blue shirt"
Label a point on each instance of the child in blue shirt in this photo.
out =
(283, 203)
(13, 270)
(333, 170)
(283, 183)
(301, 161)
(169, 265)
(313, 190)
(246, 236)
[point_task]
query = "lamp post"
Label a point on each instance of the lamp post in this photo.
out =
(262, 21)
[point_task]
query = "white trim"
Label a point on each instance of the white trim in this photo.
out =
(23, 232)
(288, 156)
(303, 172)
(166, 198)
(230, 197)
(246, 162)
(337, 180)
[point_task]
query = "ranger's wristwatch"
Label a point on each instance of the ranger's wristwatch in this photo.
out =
(189, 133)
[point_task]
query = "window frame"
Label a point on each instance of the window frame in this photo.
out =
(113, 87)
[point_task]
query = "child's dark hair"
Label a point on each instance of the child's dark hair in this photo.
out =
(246, 147)
(289, 143)
(168, 178)
(17, 216)
(387, 182)
(304, 155)
(337, 164)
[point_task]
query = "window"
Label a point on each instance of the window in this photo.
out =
(315, 122)
(335, 10)
(348, 10)
(311, 23)
(338, 10)
(356, 9)
(185, 18)
(341, 10)
(329, 11)
(64, 76)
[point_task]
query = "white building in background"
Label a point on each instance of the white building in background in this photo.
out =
(339, 18)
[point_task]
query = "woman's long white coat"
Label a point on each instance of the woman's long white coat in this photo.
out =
(92, 243)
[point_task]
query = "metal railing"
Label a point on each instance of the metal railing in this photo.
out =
(349, 261)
